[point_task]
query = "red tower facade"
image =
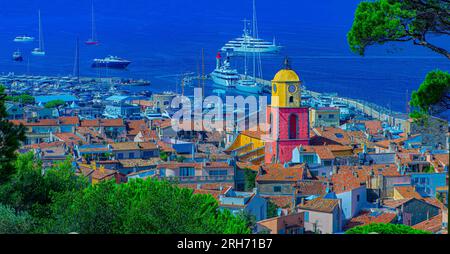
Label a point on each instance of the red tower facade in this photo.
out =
(289, 122)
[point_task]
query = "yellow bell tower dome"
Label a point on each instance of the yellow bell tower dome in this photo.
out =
(286, 88)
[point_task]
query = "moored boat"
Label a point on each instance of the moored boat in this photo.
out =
(112, 62)
(17, 56)
(224, 75)
(24, 38)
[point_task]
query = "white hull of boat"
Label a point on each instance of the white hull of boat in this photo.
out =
(222, 82)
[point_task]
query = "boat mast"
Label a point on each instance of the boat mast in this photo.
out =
(257, 66)
(254, 36)
(245, 52)
(93, 22)
(76, 69)
(41, 43)
(203, 72)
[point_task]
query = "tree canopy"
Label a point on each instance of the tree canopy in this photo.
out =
(433, 95)
(54, 104)
(385, 228)
(141, 206)
(23, 99)
(382, 21)
(10, 138)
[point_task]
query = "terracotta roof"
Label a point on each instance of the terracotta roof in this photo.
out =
(442, 158)
(69, 120)
(308, 188)
(331, 135)
(124, 146)
(165, 147)
(434, 224)
(176, 165)
(373, 126)
(277, 172)
(44, 145)
(38, 122)
(254, 134)
(130, 163)
(346, 180)
(366, 217)
(320, 204)
(243, 165)
(104, 173)
(397, 203)
(385, 143)
(281, 201)
(103, 122)
(69, 138)
(135, 126)
(407, 191)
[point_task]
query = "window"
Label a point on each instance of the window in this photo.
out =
(293, 126)
(331, 116)
(291, 99)
(306, 216)
(320, 116)
(222, 172)
(187, 171)
(357, 198)
(148, 154)
(120, 156)
(277, 189)
(309, 159)
(131, 155)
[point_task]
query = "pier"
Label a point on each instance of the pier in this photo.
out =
(369, 109)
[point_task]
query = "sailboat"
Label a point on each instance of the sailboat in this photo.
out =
(17, 56)
(39, 51)
(247, 83)
(93, 39)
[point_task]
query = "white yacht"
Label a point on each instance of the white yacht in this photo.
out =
(24, 38)
(250, 43)
(224, 75)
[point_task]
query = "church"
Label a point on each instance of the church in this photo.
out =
(288, 120)
(289, 124)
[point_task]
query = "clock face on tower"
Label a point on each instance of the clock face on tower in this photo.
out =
(292, 88)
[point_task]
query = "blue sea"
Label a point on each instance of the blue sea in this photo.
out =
(164, 38)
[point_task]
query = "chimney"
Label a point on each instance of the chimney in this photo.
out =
(261, 170)
(335, 170)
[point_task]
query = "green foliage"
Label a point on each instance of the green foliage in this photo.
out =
(385, 228)
(23, 99)
(139, 206)
(163, 155)
(428, 169)
(250, 179)
(14, 223)
(54, 104)
(10, 138)
(180, 159)
(272, 209)
(433, 91)
(381, 21)
(30, 190)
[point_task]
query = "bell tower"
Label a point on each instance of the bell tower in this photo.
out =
(286, 88)
(289, 121)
